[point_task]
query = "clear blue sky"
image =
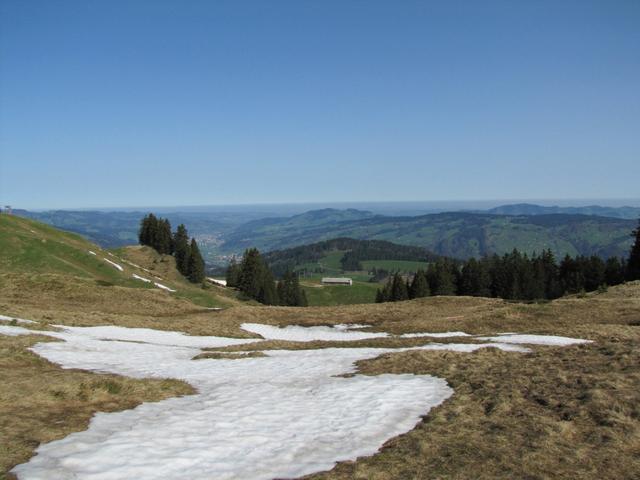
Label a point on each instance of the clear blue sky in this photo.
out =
(126, 103)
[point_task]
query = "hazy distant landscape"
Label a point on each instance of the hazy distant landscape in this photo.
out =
(222, 233)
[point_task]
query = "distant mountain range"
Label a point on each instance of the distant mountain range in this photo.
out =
(531, 209)
(455, 234)
(598, 230)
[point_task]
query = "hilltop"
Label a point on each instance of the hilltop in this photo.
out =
(39, 261)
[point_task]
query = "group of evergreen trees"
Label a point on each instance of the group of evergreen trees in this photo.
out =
(253, 277)
(397, 289)
(156, 233)
(515, 276)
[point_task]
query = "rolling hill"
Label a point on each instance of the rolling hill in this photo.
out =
(630, 213)
(457, 234)
(220, 233)
(50, 260)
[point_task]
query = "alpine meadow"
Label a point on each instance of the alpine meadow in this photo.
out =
(339, 240)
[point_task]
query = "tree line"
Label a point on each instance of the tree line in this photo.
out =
(253, 277)
(515, 276)
(156, 233)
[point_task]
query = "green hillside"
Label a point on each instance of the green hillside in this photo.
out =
(328, 295)
(28, 247)
(348, 257)
(460, 235)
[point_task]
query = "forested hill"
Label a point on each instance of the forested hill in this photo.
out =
(458, 234)
(354, 252)
(532, 209)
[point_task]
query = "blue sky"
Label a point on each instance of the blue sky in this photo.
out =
(126, 103)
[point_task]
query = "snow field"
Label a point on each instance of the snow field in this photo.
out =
(284, 415)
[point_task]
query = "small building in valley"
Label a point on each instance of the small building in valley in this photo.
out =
(337, 281)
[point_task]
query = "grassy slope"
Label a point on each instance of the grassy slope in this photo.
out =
(58, 257)
(323, 295)
(395, 265)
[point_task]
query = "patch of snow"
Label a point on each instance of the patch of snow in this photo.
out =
(280, 416)
(435, 335)
(296, 333)
(92, 252)
(284, 415)
(222, 283)
(551, 340)
(154, 337)
(19, 320)
(164, 287)
(12, 331)
(138, 277)
(119, 267)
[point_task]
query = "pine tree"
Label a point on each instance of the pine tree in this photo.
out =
(614, 271)
(633, 263)
(182, 249)
(251, 273)
(475, 279)
(398, 289)
(196, 263)
(419, 285)
(233, 274)
(552, 286)
(148, 230)
(268, 294)
(441, 278)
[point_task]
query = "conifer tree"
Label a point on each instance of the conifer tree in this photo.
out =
(233, 274)
(182, 249)
(268, 293)
(614, 271)
(419, 285)
(251, 273)
(196, 263)
(633, 263)
(441, 278)
(398, 289)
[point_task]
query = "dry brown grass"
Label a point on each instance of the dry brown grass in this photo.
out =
(555, 413)
(566, 413)
(227, 355)
(40, 402)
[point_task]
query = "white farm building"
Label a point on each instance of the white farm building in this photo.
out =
(337, 281)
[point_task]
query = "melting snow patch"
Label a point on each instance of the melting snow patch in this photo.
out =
(12, 331)
(296, 333)
(285, 415)
(138, 277)
(222, 283)
(92, 252)
(119, 267)
(163, 287)
(535, 339)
